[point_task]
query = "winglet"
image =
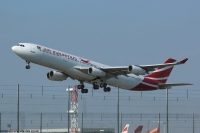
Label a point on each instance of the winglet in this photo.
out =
(183, 61)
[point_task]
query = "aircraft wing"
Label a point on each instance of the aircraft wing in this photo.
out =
(116, 70)
(153, 66)
(124, 70)
(119, 70)
(82, 69)
(169, 85)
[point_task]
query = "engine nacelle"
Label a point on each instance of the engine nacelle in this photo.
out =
(96, 72)
(136, 70)
(56, 76)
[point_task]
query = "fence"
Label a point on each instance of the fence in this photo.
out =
(45, 107)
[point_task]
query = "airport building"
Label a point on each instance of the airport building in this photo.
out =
(65, 130)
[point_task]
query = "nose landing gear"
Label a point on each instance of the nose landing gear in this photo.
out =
(28, 65)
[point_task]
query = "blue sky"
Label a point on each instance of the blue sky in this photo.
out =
(109, 32)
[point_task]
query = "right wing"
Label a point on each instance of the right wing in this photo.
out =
(138, 69)
(114, 71)
(153, 66)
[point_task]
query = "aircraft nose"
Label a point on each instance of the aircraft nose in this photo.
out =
(14, 49)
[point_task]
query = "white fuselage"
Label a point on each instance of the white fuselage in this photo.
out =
(65, 63)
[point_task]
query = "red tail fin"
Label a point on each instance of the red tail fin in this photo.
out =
(125, 130)
(162, 73)
(138, 129)
(156, 130)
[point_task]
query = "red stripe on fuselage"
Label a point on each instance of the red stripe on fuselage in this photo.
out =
(150, 81)
(143, 87)
(160, 74)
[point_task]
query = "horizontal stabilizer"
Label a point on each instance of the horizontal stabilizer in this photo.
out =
(169, 85)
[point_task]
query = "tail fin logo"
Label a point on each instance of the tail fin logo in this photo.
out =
(162, 73)
(138, 129)
(125, 130)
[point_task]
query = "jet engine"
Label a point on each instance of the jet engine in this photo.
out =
(96, 72)
(136, 70)
(56, 76)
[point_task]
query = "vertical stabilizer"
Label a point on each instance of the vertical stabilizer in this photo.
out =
(156, 130)
(138, 129)
(161, 74)
(125, 130)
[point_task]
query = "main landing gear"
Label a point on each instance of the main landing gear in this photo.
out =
(105, 89)
(95, 87)
(82, 86)
(28, 65)
(102, 85)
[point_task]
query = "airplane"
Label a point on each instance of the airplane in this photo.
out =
(132, 77)
(125, 130)
(138, 129)
(156, 130)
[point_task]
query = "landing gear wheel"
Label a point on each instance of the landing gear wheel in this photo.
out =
(79, 86)
(28, 66)
(95, 86)
(84, 90)
(106, 89)
(82, 86)
(101, 85)
(104, 85)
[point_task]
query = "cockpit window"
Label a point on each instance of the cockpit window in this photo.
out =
(21, 45)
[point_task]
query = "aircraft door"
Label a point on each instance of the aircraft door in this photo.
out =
(33, 50)
(36, 50)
